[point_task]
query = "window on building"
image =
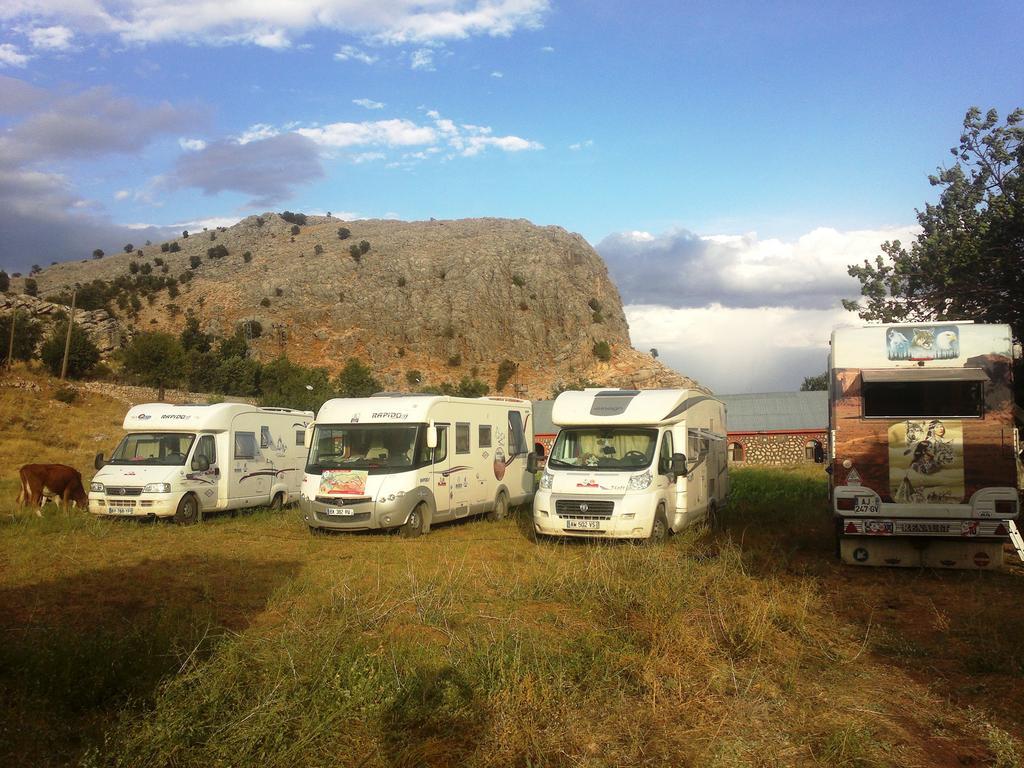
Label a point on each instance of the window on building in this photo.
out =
(462, 437)
(813, 451)
(735, 452)
(485, 435)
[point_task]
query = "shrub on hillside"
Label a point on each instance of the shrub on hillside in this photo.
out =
(165, 247)
(293, 218)
(133, 267)
(344, 233)
(284, 383)
(65, 394)
(128, 248)
(454, 361)
(27, 334)
(318, 249)
(98, 253)
(31, 287)
(5, 281)
(82, 354)
(194, 261)
(602, 351)
(364, 246)
(174, 247)
(355, 253)
(518, 280)
(356, 380)
(192, 336)
(264, 302)
(413, 378)
(295, 229)
(217, 252)
(146, 268)
(155, 360)
(247, 257)
(506, 370)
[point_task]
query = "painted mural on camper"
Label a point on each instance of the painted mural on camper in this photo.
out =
(926, 461)
(932, 342)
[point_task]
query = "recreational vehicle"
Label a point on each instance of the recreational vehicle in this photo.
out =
(922, 444)
(631, 464)
(411, 461)
(183, 461)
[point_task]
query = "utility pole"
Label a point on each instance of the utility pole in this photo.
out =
(67, 340)
(10, 344)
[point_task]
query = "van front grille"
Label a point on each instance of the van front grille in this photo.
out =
(584, 509)
(124, 490)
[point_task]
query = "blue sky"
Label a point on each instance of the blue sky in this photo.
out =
(646, 127)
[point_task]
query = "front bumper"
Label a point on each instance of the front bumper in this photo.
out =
(141, 506)
(357, 515)
(630, 517)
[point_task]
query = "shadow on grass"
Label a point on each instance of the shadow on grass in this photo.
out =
(77, 650)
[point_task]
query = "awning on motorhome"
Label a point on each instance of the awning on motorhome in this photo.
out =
(925, 374)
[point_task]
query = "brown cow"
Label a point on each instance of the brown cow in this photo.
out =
(60, 480)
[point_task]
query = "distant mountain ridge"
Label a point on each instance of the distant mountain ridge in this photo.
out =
(446, 298)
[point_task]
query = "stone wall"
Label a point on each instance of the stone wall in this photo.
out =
(105, 331)
(774, 448)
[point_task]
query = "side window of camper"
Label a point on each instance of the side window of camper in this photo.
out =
(665, 457)
(441, 452)
(692, 446)
(300, 437)
(462, 437)
(485, 435)
(206, 447)
(516, 434)
(245, 445)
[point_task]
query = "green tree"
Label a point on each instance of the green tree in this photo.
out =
(237, 376)
(817, 383)
(82, 355)
(506, 370)
(289, 385)
(344, 233)
(98, 253)
(128, 248)
(27, 333)
(570, 386)
(356, 380)
(968, 261)
(201, 370)
(155, 360)
(413, 378)
(602, 351)
(192, 336)
(5, 281)
(31, 286)
(233, 346)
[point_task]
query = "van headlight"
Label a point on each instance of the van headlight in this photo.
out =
(546, 480)
(639, 482)
(157, 488)
(97, 488)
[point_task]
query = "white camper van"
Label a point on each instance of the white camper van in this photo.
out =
(182, 461)
(631, 464)
(411, 461)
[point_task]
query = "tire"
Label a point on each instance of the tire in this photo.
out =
(277, 503)
(188, 512)
(413, 527)
(659, 529)
(500, 511)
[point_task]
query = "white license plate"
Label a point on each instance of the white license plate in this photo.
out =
(584, 525)
(340, 512)
(866, 505)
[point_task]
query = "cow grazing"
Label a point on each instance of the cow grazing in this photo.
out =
(58, 479)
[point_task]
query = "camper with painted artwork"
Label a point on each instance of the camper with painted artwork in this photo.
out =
(922, 442)
(185, 461)
(632, 464)
(409, 462)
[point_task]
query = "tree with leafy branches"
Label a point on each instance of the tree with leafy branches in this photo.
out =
(155, 360)
(817, 383)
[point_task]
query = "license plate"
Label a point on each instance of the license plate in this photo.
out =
(584, 525)
(340, 512)
(866, 505)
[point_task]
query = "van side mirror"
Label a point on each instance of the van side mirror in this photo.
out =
(98, 462)
(532, 463)
(200, 463)
(431, 436)
(679, 468)
(538, 448)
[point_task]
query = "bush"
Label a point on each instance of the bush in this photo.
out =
(356, 380)
(264, 302)
(27, 334)
(98, 253)
(344, 233)
(294, 218)
(283, 384)
(155, 360)
(36, 269)
(185, 277)
(454, 361)
(597, 317)
(295, 229)
(318, 249)
(355, 253)
(146, 268)
(133, 267)
(595, 305)
(135, 302)
(172, 290)
(165, 247)
(213, 236)
(247, 257)
(602, 351)
(174, 247)
(506, 370)
(523, 306)
(401, 282)
(158, 261)
(279, 291)
(252, 328)
(364, 246)
(5, 281)
(82, 354)
(449, 331)
(128, 248)
(518, 280)
(65, 394)
(184, 234)
(217, 252)
(194, 261)
(413, 378)
(31, 287)
(192, 338)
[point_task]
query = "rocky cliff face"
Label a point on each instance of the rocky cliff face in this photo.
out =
(447, 298)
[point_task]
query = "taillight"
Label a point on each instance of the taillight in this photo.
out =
(1006, 507)
(846, 503)
(1001, 530)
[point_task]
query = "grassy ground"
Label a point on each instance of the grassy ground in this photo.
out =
(245, 641)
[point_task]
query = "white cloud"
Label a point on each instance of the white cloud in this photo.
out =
(192, 145)
(368, 103)
(269, 23)
(56, 38)
(122, 194)
(548, 49)
(497, 74)
(390, 133)
(366, 157)
(10, 56)
(581, 145)
(474, 145)
(422, 58)
(351, 53)
(256, 132)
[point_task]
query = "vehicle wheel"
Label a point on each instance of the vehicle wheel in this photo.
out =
(500, 511)
(414, 525)
(277, 503)
(188, 510)
(659, 529)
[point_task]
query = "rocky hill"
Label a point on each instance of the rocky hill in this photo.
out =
(447, 298)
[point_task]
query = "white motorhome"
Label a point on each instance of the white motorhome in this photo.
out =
(631, 464)
(411, 461)
(922, 442)
(183, 461)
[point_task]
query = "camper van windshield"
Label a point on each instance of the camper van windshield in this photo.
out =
(610, 448)
(153, 449)
(378, 448)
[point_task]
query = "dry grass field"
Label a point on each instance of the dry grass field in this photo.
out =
(246, 641)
